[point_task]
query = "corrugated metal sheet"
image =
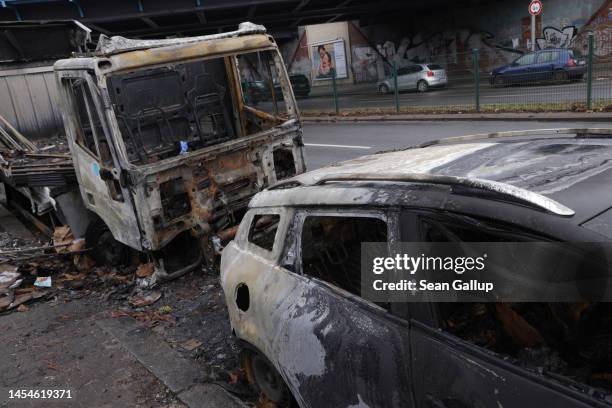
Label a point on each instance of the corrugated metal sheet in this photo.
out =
(29, 100)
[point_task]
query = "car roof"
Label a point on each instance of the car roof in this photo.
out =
(571, 170)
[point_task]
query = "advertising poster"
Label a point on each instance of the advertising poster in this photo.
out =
(328, 58)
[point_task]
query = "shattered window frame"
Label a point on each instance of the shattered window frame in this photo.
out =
(498, 315)
(242, 237)
(238, 111)
(265, 79)
(266, 230)
(77, 90)
(388, 216)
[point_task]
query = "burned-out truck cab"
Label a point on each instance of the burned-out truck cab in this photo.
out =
(166, 145)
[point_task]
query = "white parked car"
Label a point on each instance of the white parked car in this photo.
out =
(419, 76)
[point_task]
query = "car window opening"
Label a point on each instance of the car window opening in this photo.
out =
(331, 248)
(284, 163)
(573, 340)
(263, 230)
(166, 111)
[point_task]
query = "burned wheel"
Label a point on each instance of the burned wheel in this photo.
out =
(105, 249)
(265, 379)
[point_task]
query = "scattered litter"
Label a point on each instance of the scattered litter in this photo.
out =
(141, 301)
(6, 299)
(71, 277)
(191, 344)
(5, 267)
(83, 262)
(149, 316)
(22, 308)
(143, 283)
(43, 282)
(8, 279)
(145, 270)
(165, 309)
(77, 245)
(119, 313)
(62, 239)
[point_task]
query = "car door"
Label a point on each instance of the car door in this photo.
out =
(403, 76)
(543, 67)
(333, 348)
(455, 373)
(409, 79)
(415, 75)
(519, 71)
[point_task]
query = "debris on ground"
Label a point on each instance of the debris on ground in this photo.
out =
(62, 239)
(145, 270)
(165, 309)
(191, 344)
(141, 300)
(43, 282)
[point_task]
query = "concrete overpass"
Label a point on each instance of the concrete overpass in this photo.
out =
(158, 18)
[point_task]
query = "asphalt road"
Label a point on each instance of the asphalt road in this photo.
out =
(457, 95)
(330, 143)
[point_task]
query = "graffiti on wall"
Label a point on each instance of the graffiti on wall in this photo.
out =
(453, 49)
(364, 63)
(552, 37)
(600, 25)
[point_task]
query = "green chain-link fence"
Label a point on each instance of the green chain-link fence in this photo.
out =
(468, 81)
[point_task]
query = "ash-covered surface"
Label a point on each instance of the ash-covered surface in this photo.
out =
(188, 313)
(191, 316)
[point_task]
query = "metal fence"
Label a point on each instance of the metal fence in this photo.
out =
(582, 82)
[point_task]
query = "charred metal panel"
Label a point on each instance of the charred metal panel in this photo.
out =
(218, 182)
(28, 91)
(165, 146)
(29, 100)
(331, 349)
(456, 374)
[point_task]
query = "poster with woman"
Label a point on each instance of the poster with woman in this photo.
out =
(328, 58)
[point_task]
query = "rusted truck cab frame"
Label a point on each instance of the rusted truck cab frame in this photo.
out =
(195, 187)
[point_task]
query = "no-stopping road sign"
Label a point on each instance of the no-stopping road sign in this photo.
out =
(535, 7)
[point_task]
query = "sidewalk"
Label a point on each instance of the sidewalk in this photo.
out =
(91, 341)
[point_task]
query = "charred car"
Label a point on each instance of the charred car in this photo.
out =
(166, 149)
(292, 278)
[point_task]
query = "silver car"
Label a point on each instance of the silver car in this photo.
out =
(419, 76)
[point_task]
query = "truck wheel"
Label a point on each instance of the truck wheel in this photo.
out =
(265, 379)
(105, 249)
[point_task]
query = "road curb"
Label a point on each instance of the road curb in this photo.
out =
(179, 374)
(500, 117)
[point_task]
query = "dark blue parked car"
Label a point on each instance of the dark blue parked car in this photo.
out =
(553, 64)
